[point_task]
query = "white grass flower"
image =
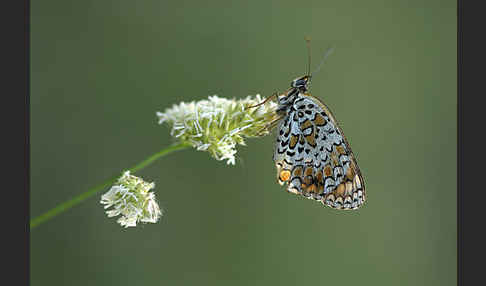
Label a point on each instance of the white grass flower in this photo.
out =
(130, 198)
(218, 124)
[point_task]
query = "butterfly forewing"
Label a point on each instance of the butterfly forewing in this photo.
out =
(314, 158)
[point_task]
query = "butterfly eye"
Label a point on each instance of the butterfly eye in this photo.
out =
(300, 82)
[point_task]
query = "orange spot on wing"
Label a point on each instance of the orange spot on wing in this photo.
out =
(311, 139)
(350, 173)
(327, 171)
(306, 125)
(319, 121)
(349, 188)
(340, 150)
(297, 171)
(340, 190)
(284, 175)
(311, 189)
(319, 177)
(308, 171)
(334, 159)
(293, 140)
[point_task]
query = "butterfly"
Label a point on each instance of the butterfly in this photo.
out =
(312, 156)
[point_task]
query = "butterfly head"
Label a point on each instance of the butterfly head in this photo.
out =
(301, 83)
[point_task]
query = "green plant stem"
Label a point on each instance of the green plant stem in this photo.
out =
(62, 207)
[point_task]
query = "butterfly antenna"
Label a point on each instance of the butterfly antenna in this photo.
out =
(324, 58)
(307, 40)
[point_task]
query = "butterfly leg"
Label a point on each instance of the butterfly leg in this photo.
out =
(265, 101)
(267, 128)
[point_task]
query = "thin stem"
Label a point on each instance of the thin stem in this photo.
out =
(89, 193)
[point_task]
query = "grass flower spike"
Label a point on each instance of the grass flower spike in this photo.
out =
(130, 198)
(217, 124)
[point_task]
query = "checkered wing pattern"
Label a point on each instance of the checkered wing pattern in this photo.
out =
(313, 158)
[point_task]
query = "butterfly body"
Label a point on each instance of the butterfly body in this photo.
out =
(312, 156)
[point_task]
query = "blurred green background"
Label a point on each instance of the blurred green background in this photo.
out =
(101, 69)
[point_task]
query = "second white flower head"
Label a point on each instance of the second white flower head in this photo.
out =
(130, 198)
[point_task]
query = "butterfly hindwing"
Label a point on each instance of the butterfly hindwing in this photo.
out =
(313, 157)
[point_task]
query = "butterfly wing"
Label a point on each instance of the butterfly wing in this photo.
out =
(314, 158)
